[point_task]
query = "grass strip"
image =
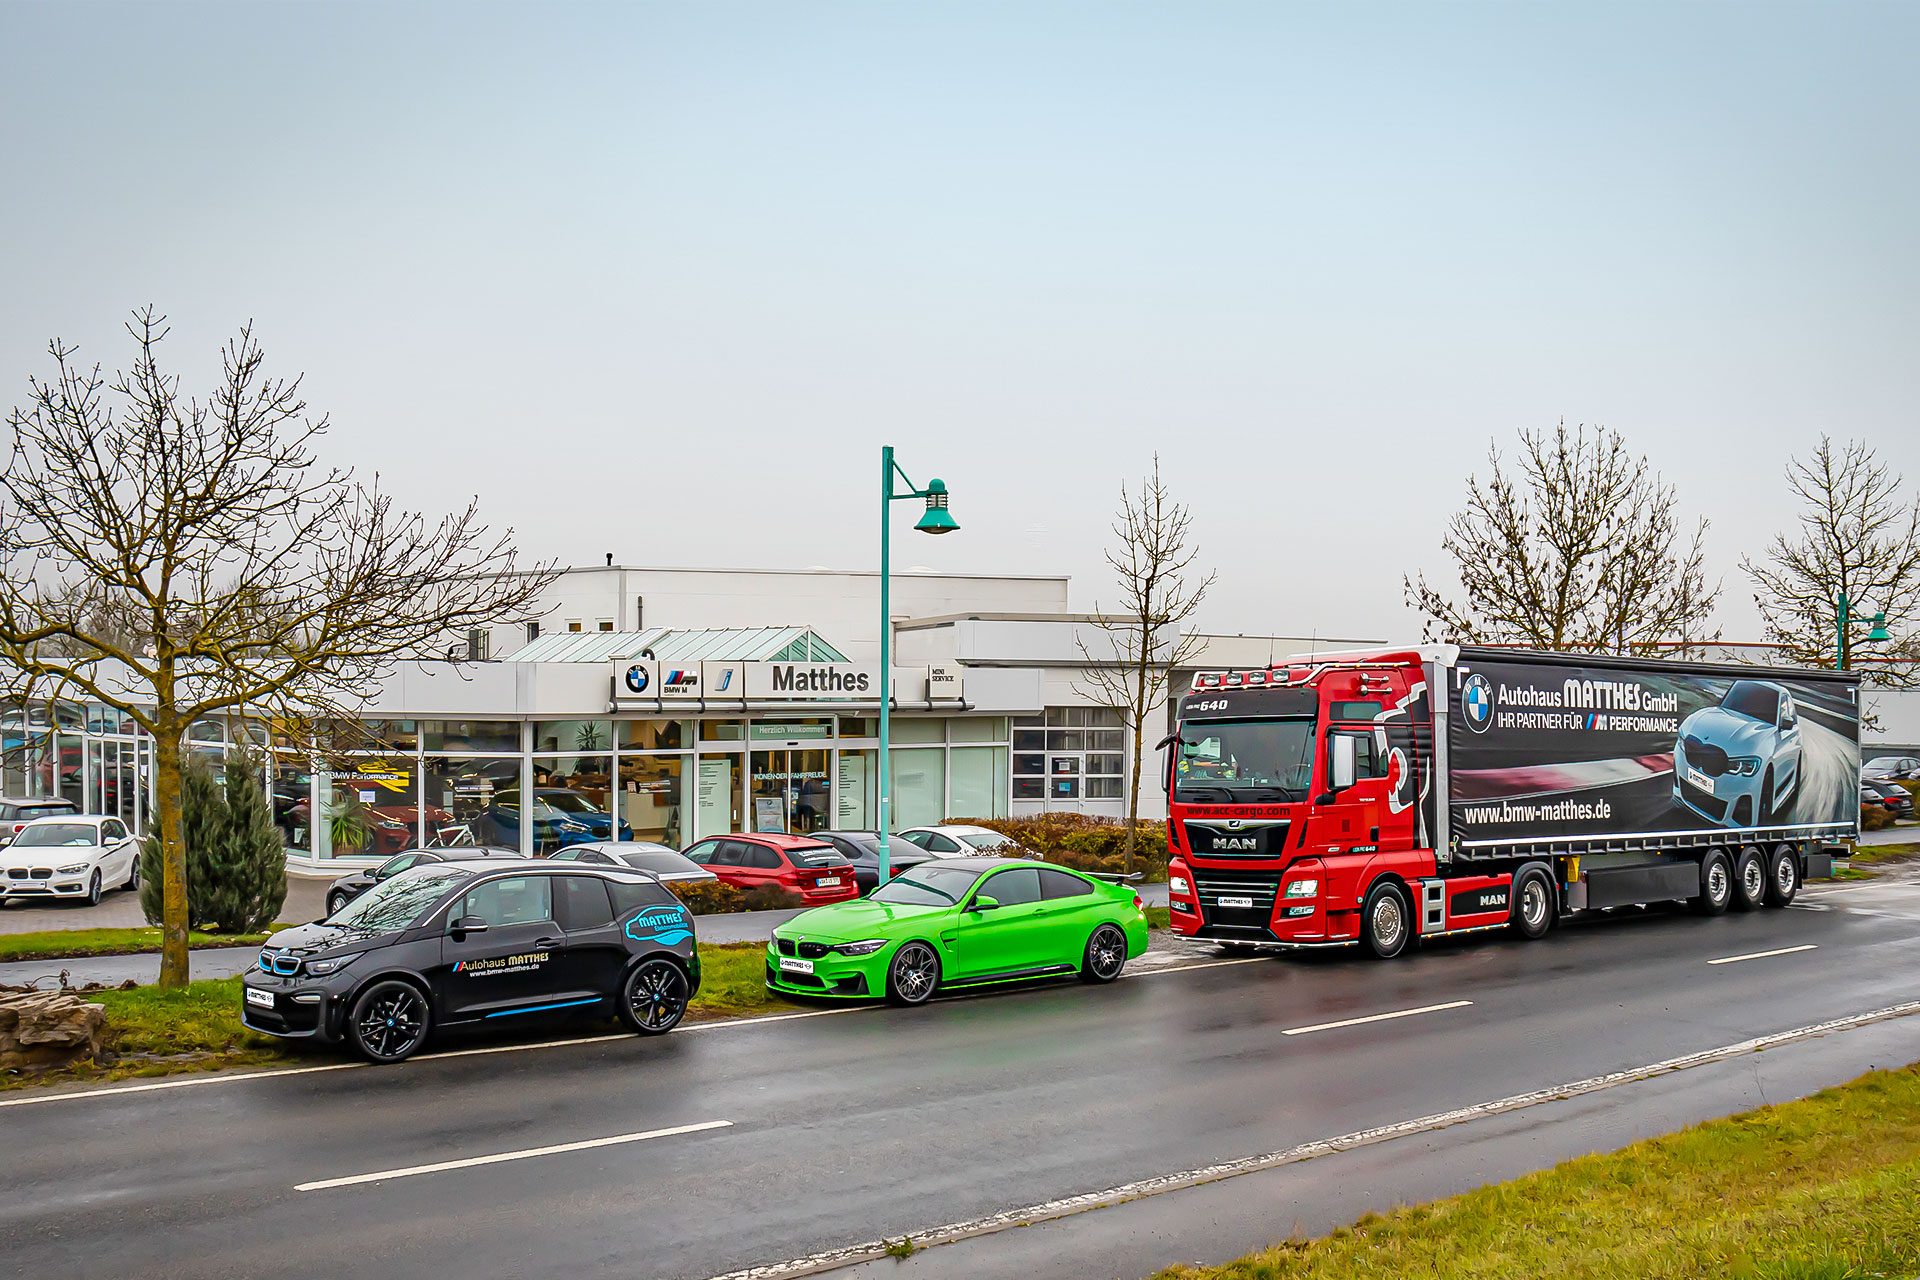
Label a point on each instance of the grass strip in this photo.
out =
(1822, 1189)
(76, 944)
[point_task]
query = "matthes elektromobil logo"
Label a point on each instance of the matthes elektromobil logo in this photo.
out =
(1476, 703)
(637, 678)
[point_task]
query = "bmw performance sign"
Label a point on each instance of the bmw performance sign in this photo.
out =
(1476, 703)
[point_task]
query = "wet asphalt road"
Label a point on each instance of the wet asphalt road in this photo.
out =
(847, 1126)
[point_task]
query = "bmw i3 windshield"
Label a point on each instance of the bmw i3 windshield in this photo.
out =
(399, 902)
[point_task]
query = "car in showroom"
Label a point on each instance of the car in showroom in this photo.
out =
(961, 840)
(580, 808)
(811, 870)
(355, 883)
(862, 849)
(552, 828)
(17, 811)
(480, 942)
(1737, 764)
(1895, 799)
(959, 923)
(664, 862)
(1891, 768)
(70, 858)
(390, 827)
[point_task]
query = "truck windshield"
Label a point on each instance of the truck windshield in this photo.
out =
(1244, 761)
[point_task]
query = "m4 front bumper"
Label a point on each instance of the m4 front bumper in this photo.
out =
(831, 975)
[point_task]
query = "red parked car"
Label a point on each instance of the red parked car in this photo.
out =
(812, 870)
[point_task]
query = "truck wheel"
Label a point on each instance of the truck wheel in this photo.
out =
(1783, 876)
(1386, 922)
(1532, 906)
(1749, 879)
(1716, 884)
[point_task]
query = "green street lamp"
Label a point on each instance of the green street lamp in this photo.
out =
(936, 519)
(1843, 618)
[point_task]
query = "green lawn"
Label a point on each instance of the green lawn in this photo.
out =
(72, 944)
(1823, 1189)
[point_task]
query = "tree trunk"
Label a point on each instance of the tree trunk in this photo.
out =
(1139, 726)
(168, 766)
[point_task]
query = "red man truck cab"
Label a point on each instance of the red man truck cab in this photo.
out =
(1378, 797)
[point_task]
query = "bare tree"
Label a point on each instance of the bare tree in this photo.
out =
(1856, 538)
(1140, 640)
(176, 559)
(1582, 551)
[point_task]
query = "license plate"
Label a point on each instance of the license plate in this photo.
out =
(1236, 902)
(790, 965)
(259, 999)
(828, 882)
(1699, 779)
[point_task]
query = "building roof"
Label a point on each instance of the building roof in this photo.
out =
(712, 644)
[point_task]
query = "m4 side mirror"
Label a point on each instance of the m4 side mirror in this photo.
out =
(984, 903)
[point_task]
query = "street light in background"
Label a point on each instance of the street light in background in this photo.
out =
(1843, 618)
(936, 519)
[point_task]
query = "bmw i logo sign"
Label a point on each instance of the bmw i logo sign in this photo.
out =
(637, 678)
(1476, 703)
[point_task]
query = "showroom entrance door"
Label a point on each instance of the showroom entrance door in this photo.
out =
(792, 790)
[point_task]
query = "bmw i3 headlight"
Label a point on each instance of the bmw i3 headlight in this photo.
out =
(1303, 888)
(1745, 766)
(332, 964)
(863, 948)
(73, 870)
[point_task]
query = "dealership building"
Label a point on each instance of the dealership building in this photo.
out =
(672, 704)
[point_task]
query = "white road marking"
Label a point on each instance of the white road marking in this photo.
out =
(1763, 955)
(834, 1259)
(1375, 1017)
(503, 1157)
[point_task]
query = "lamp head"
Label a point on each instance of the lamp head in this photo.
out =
(937, 518)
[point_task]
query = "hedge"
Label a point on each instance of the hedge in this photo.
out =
(1084, 842)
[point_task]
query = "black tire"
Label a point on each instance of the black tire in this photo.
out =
(389, 1022)
(93, 890)
(336, 903)
(654, 997)
(1716, 884)
(1533, 905)
(1783, 876)
(913, 975)
(1749, 879)
(1105, 954)
(133, 874)
(1386, 921)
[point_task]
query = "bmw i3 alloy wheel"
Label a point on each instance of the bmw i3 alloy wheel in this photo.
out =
(654, 998)
(389, 1021)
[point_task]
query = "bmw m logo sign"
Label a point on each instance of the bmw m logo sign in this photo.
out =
(637, 678)
(1476, 703)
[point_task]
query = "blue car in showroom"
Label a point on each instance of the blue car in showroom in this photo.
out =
(1737, 764)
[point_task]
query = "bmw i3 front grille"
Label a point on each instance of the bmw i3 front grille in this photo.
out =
(276, 963)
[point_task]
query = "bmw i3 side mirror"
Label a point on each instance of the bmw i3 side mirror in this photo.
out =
(468, 924)
(984, 903)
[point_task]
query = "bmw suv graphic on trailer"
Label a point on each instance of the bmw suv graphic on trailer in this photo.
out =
(1737, 764)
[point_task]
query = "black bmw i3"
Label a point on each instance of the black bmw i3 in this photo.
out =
(473, 943)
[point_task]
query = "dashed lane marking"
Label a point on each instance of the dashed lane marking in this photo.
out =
(1375, 1017)
(503, 1157)
(1765, 955)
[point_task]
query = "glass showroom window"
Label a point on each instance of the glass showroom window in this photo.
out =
(581, 736)
(717, 791)
(978, 781)
(654, 735)
(919, 787)
(575, 800)
(1069, 754)
(472, 800)
(653, 798)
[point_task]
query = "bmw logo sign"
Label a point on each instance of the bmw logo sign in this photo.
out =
(637, 678)
(1476, 703)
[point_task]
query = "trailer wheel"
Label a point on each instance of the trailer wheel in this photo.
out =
(1386, 921)
(1749, 879)
(1532, 905)
(1783, 876)
(1716, 884)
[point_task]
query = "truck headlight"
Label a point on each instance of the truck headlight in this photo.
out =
(1745, 766)
(1303, 889)
(333, 964)
(73, 870)
(863, 948)
(1178, 884)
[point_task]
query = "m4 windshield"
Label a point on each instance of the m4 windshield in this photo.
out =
(1243, 761)
(400, 901)
(926, 886)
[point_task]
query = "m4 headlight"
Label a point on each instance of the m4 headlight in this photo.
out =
(1178, 884)
(332, 964)
(73, 870)
(1744, 766)
(863, 948)
(1303, 889)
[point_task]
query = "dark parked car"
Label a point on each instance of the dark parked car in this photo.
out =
(661, 861)
(17, 811)
(862, 849)
(1891, 796)
(1884, 768)
(349, 887)
(473, 943)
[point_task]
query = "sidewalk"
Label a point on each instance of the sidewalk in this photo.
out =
(306, 900)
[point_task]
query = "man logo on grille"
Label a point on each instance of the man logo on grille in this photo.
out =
(1476, 703)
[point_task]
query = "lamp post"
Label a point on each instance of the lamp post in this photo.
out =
(1843, 618)
(937, 519)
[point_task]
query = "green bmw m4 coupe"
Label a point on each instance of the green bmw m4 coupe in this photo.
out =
(959, 922)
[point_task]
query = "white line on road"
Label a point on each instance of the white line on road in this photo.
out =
(503, 1157)
(1763, 955)
(1375, 1017)
(834, 1259)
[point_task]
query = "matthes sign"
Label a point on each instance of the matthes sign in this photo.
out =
(638, 680)
(837, 681)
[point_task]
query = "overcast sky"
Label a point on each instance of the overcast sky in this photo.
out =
(660, 280)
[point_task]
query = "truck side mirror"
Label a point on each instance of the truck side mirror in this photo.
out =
(1344, 762)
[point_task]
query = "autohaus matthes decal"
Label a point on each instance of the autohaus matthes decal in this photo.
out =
(501, 964)
(1596, 750)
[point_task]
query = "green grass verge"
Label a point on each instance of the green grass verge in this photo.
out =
(73, 944)
(1868, 855)
(1825, 1188)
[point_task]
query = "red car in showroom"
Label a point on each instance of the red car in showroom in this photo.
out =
(811, 870)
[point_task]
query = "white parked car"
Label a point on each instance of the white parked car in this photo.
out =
(958, 840)
(75, 857)
(666, 864)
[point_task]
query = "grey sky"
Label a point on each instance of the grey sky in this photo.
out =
(660, 280)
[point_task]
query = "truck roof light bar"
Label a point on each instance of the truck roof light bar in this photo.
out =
(1282, 677)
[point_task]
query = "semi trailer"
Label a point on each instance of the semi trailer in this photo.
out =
(1377, 797)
